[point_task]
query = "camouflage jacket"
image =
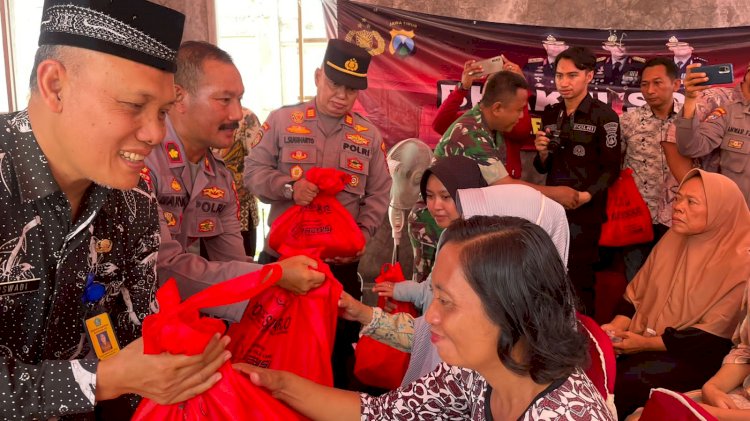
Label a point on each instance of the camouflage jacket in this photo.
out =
(469, 136)
(424, 234)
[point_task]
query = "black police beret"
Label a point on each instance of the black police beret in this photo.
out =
(137, 30)
(346, 64)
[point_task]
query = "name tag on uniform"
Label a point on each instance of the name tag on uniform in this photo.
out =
(590, 128)
(102, 336)
(19, 287)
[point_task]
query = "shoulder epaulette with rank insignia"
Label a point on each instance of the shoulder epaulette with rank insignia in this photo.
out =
(639, 59)
(536, 60)
(310, 113)
(598, 59)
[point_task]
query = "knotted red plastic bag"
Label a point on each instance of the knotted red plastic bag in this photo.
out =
(324, 224)
(628, 217)
(285, 331)
(665, 404)
(178, 328)
(377, 364)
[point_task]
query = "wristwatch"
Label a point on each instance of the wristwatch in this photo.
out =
(460, 85)
(289, 190)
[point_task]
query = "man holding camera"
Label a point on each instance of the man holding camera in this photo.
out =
(580, 148)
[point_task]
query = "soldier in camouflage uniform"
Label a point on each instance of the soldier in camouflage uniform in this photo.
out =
(423, 235)
(478, 135)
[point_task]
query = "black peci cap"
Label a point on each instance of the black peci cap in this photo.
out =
(346, 64)
(136, 30)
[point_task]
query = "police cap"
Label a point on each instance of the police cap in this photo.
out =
(346, 64)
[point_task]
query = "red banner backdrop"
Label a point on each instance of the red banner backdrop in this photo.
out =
(418, 59)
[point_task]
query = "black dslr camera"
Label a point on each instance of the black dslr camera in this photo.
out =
(554, 134)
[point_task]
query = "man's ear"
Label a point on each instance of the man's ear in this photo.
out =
(318, 77)
(180, 94)
(676, 84)
(51, 80)
(497, 107)
(589, 76)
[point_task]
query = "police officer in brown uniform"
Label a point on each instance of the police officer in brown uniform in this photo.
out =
(196, 193)
(325, 133)
(726, 129)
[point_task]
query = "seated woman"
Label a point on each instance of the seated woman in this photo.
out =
(727, 394)
(403, 332)
(445, 176)
(503, 320)
(438, 189)
(677, 317)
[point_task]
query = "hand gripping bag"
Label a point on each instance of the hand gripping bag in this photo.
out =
(377, 364)
(178, 328)
(285, 331)
(324, 224)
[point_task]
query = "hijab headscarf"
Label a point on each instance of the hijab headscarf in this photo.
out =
(523, 202)
(697, 280)
(455, 172)
(502, 200)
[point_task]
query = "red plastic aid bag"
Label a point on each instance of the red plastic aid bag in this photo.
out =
(285, 331)
(324, 224)
(178, 328)
(628, 218)
(377, 364)
(665, 404)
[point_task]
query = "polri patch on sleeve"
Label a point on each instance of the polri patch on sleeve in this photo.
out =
(611, 132)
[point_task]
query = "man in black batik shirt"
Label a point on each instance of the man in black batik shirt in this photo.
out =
(79, 231)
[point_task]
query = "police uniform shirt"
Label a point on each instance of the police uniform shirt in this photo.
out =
(294, 140)
(45, 260)
(469, 136)
(204, 206)
(588, 158)
(726, 129)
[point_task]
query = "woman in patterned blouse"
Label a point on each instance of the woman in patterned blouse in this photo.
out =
(503, 321)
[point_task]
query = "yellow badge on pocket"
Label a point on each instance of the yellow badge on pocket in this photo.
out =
(735, 144)
(102, 336)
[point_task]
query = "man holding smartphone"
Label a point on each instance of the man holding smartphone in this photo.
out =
(726, 129)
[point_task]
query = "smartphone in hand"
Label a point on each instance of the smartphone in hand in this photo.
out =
(718, 74)
(490, 66)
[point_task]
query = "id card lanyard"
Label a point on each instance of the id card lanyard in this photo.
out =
(99, 327)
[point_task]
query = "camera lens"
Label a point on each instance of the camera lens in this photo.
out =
(554, 141)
